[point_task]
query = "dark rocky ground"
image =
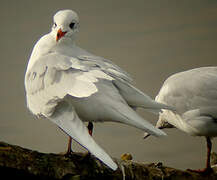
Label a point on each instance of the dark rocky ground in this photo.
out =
(17, 162)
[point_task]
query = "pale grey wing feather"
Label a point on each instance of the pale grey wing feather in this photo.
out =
(122, 81)
(67, 119)
(106, 66)
(127, 115)
(136, 98)
(54, 76)
(190, 89)
(193, 93)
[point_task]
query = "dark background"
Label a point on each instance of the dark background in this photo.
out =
(149, 39)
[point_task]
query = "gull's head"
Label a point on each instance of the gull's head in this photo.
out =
(65, 25)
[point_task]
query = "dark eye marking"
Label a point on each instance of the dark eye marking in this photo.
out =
(54, 25)
(72, 25)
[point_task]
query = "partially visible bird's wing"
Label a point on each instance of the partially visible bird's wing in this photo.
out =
(49, 81)
(137, 98)
(122, 80)
(191, 89)
(67, 119)
(192, 93)
(54, 76)
(106, 66)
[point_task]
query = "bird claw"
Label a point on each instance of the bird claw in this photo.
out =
(67, 153)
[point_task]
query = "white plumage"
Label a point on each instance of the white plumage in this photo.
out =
(68, 85)
(193, 94)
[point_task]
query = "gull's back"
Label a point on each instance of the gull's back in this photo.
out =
(193, 93)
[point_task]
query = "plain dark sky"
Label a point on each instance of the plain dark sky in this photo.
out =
(149, 39)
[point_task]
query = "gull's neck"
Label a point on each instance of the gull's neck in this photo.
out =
(48, 44)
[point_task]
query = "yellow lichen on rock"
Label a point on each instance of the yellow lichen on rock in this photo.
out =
(126, 157)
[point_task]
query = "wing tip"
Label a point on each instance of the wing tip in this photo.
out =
(107, 162)
(113, 166)
(159, 133)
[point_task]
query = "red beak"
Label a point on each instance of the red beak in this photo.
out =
(60, 34)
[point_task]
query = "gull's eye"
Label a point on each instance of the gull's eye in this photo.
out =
(72, 25)
(54, 25)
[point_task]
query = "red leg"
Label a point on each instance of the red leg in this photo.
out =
(209, 148)
(69, 149)
(208, 168)
(90, 128)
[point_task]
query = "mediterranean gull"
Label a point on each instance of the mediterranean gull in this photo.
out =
(69, 86)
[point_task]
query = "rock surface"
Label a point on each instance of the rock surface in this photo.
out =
(17, 162)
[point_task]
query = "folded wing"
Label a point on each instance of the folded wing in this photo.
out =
(49, 81)
(54, 76)
(66, 118)
(122, 80)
